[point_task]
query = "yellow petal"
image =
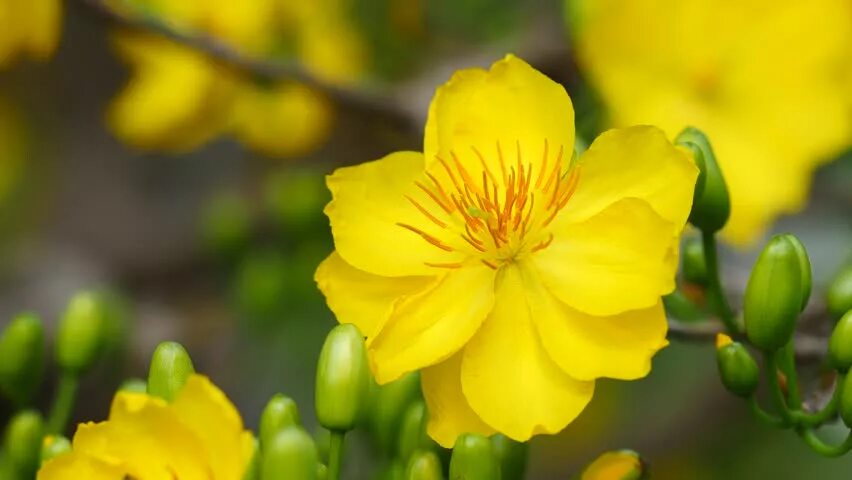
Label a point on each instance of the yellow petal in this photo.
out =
(43, 23)
(217, 423)
(430, 326)
(449, 413)
(634, 162)
(508, 378)
(587, 347)
(617, 260)
(367, 207)
(76, 466)
(513, 104)
(360, 298)
(146, 437)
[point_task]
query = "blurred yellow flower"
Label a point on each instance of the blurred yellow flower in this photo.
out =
(29, 28)
(198, 436)
(762, 78)
(178, 98)
(512, 273)
(14, 155)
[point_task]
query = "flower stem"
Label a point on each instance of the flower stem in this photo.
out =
(823, 448)
(775, 389)
(763, 415)
(716, 296)
(63, 403)
(788, 366)
(335, 455)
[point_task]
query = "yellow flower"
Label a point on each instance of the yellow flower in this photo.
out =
(198, 436)
(763, 78)
(511, 273)
(29, 27)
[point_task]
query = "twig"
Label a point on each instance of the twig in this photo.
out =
(374, 103)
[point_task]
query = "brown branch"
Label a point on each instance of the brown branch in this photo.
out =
(371, 102)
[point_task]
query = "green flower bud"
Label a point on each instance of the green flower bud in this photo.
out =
(281, 412)
(388, 406)
(774, 294)
(512, 456)
(22, 357)
(711, 206)
(616, 465)
(423, 465)
(81, 333)
(322, 472)
(23, 441)
(804, 268)
(393, 471)
(839, 294)
(840, 344)
(343, 379)
(737, 368)
(53, 446)
(291, 453)
(412, 433)
(226, 225)
(134, 385)
(253, 469)
(474, 459)
(694, 264)
(170, 367)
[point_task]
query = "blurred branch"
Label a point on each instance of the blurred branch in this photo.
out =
(373, 103)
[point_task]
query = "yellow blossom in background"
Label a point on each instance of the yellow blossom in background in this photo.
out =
(199, 435)
(13, 154)
(29, 28)
(763, 78)
(179, 98)
(510, 272)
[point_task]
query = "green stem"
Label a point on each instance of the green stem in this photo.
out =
(335, 455)
(823, 448)
(63, 403)
(715, 296)
(775, 388)
(788, 366)
(763, 415)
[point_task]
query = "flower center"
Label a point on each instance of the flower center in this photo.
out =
(496, 211)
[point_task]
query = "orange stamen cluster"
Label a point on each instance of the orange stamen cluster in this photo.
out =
(496, 216)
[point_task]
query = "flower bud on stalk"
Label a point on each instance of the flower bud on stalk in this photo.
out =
(839, 295)
(389, 404)
(281, 412)
(80, 335)
(423, 465)
(711, 205)
(737, 368)
(694, 264)
(291, 453)
(343, 379)
(134, 385)
(840, 344)
(412, 431)
(474, 459)
(616, 465)
(512, 456)
(170, 367)
(53, 446)
(23, 442)
(22, 357)
(776, 290)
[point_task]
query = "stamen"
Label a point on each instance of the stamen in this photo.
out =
(443, 265)
(434, 197)
(502, 164)
(555, 169)
(429, 238)
(484, 165)
(450, 173)
(489, 264)
(472, 242)
(426, 212)
(543, 166)
(544, 244)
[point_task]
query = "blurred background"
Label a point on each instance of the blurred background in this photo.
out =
(194, 190)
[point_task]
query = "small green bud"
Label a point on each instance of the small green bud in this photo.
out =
(412, 432)
(81, 333)
(839, 294)
(53, 446)
(774, 294)
(388, 406)
(134, 385)
(804, 268)
(737, 368)
(840, 344)
(23, 441)
(423, 465)
(512, 456)
(694, 264)
(281, 412)
(616, 465)
(474, 459)
(291, 453)
(711, 205)
(22, 357)
(170, 367)
(322, 472)
(343, 379)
